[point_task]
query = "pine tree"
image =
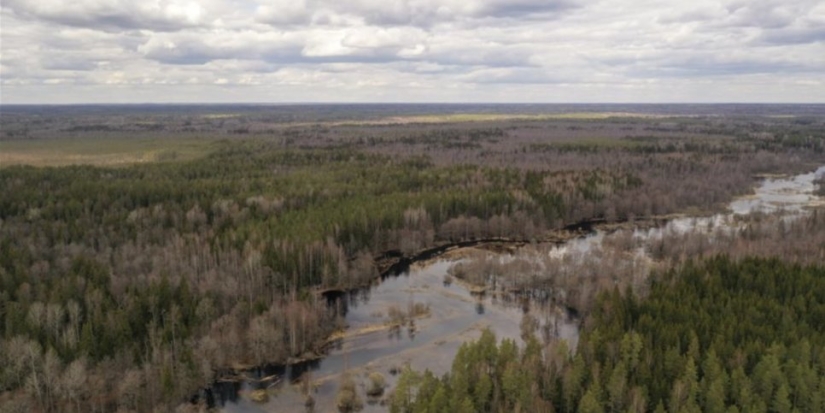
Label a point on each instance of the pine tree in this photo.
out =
(589, 403)
(713, 385)
(781, 401)
(439, 403)
(617, 387)
(465, 406)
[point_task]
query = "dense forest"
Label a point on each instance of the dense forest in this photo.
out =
(716, 336)
(130, 287)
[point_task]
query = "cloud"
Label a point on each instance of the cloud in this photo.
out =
(716, 65)
(72, 63)
(420, 13)
(507, 76)
(766, 14)
(425, 50)
(284, 12)
(367, 44)
(790, 36)
(328, 45)
(806, 28)
(114, 15)
(200, 48)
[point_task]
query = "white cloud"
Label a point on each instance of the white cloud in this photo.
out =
(417, 50)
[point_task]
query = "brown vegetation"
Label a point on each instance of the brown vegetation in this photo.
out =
(130, 288)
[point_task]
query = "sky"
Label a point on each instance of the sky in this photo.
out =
(561, 51)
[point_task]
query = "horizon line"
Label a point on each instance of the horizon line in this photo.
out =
(298, 103)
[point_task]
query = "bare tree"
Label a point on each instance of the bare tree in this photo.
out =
(73, 383)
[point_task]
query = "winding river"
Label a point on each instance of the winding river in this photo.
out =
(453, 315)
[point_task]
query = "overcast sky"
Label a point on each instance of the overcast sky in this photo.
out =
(65, 51)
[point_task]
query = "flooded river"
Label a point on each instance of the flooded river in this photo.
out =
(449, 314)
(791, 196)
(453, 316)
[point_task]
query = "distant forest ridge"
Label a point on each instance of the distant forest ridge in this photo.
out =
(338, 111)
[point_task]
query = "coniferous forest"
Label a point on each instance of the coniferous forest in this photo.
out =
(716, 336)
(147, 252)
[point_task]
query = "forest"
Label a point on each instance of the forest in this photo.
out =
(715, 336)
(146, 253)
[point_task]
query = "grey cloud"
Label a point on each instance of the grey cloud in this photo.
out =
(762, 15)
(68, 63)
(188, 50)
(722, 61)
(115, 16)
(521, 8)
(184, 54)
(705, 65)
(793, 36)
(195, 52)
(428, 68)
(766, 13)
(293, 12)
(499, 57)
(514, 76)
(420, 13)
(690, 16)
(365, 45)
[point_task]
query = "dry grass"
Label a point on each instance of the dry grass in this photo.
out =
(372, 328)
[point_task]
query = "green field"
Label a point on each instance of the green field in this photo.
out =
(102, 151)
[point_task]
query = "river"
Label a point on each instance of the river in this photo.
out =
(452, 315)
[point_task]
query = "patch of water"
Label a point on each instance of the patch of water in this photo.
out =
(786, 194)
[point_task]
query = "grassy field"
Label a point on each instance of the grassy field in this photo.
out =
(102, 151)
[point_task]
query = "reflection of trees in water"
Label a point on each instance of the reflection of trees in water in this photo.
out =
(263, 377)
(341, 301)
(394, 333)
